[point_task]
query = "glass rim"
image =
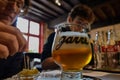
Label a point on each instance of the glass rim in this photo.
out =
(85, 27)
(64, 24)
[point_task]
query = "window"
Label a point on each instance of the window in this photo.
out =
(33, 44)
(22, 24)
(34, 28)
(32, 31)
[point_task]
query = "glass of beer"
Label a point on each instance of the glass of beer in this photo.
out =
(71, 50)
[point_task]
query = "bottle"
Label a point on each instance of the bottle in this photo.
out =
(117, 44)
(111, 37)
(103, 49)
(111, 50)
(118, 53)
(97, 50)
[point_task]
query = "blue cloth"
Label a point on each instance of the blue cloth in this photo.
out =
(11, 66)
(47, 47)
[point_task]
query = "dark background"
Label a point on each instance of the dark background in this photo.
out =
(107, 12)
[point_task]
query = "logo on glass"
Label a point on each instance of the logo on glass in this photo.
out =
(71, 40)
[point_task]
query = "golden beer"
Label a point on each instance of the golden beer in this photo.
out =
(73, 59)
(72, 51)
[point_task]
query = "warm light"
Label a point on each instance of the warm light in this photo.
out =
(21, 10)
(58, 2)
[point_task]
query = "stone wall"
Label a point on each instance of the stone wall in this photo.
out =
(115, 27)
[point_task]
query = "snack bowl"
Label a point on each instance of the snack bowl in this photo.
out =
(28, 74)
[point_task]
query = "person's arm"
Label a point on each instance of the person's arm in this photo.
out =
(12, 44)
(47, 60)
(11, 66)
(11, 41)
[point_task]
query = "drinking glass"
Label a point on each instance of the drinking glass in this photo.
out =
(71, 50)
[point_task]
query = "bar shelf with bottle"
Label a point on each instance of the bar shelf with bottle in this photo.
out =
(106, 48)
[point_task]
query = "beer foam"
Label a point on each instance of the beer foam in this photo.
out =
(69, 33)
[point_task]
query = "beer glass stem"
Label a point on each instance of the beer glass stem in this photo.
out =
(71, 76)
